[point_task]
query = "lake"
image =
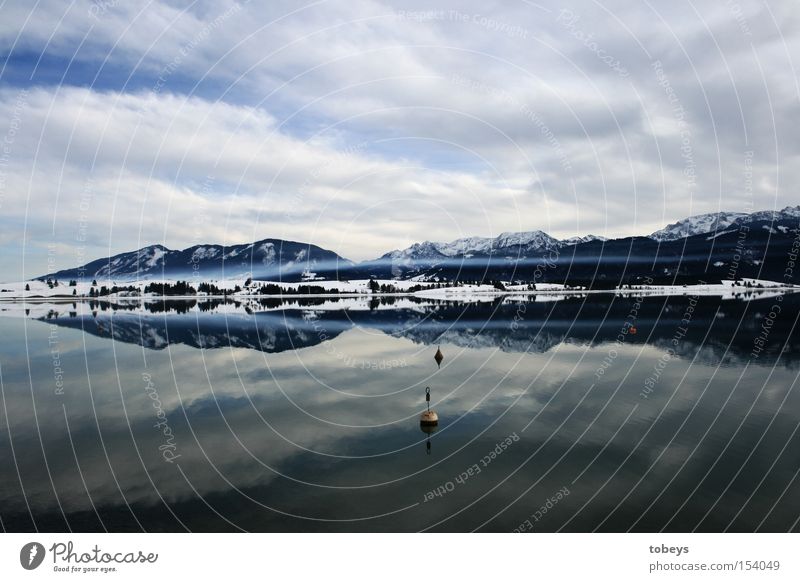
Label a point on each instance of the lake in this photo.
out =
(592, 413)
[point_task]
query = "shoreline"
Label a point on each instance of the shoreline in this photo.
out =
(444, 294)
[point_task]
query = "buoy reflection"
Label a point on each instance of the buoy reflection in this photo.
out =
(429, 420)
(438, 357)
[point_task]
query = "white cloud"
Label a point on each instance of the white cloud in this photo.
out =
(358, 128)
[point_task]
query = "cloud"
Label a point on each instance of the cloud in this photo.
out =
(361, 126)
(135, 169)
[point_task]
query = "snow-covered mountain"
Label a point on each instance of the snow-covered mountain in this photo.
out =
(575, 240)
(788, 213)
(432, 259)
(715, 222)
(265, 259)
(513, 254)
(699, 224)
(144, 260)
(535, 240)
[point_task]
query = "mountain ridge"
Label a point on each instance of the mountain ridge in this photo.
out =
(266, 258)
(277, 259)
(716, 221)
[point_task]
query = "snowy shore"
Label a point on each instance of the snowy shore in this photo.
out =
(36, 291)
(42, 302)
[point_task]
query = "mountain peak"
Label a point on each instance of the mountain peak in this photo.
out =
(698, 224)
(464, 247)
(574, 240)
(713, 222)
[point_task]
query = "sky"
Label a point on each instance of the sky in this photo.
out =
(364, 126)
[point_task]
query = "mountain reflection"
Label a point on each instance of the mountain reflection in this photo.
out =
(719, 330)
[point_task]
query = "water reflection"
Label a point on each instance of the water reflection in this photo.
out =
(305, 416)
(722, 331)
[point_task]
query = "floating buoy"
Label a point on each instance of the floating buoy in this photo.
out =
(429, 421)
(429, 418)
(438, 357)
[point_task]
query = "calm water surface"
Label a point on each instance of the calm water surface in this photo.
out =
(304, 416)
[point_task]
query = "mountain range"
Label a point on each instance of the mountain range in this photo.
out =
(266, 259)
(707, 247)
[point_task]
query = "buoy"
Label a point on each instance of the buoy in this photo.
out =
(438, 357)
(429, 418)
(632, 330)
